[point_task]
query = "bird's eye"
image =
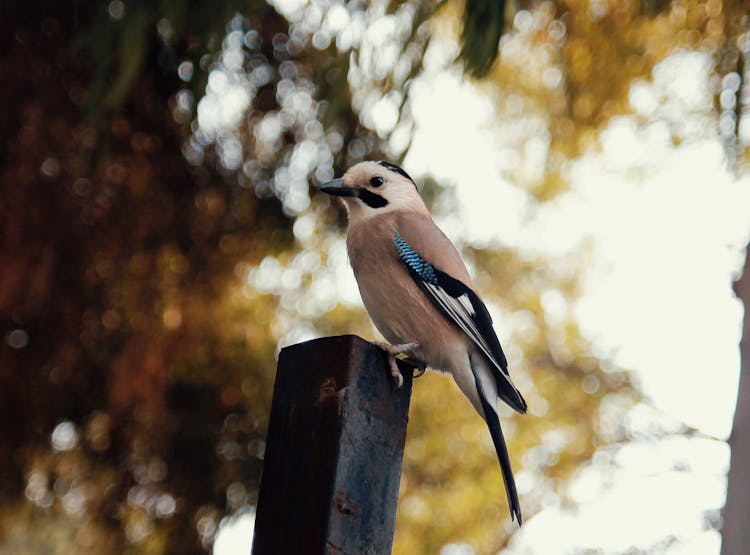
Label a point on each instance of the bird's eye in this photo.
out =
(376, 181)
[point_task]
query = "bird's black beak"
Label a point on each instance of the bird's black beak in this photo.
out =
(337, 188)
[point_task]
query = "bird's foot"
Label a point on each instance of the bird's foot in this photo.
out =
(403, 349)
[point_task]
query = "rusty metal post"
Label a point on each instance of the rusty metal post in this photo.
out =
(333, 455)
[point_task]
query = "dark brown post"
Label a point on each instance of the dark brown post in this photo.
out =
(333, 455)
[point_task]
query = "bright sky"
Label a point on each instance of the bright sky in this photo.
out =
(668, 225)
(235, 536)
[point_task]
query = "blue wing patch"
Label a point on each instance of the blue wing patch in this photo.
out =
(416, 263)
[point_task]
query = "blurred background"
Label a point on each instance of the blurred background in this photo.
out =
(160, 242)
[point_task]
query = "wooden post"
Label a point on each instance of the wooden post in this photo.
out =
(333, 455)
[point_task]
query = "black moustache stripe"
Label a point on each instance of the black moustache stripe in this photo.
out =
(371, 199)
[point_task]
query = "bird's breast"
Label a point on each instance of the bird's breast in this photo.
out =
(397, 306)
(387, 290)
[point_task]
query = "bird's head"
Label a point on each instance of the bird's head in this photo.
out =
(371, 188)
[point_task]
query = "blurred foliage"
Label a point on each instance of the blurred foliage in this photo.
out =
(136, 374)
(565, 67)
(483, 24)
(158, 243)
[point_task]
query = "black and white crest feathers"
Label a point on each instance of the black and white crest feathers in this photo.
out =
(397, 169)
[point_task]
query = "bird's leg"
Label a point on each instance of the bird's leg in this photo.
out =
(392, 351)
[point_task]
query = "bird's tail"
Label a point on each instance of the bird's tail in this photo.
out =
(488, 400)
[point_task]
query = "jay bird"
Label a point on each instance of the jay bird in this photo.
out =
(419, 295)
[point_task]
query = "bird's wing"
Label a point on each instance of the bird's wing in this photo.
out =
(460, 304)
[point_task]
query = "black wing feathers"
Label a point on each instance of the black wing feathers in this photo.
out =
(476, 322)
(481, 315)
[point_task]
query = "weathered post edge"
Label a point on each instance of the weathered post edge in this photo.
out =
(334, 449)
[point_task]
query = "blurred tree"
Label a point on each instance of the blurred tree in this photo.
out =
(135, 375)
(733, 106)
(158, 242)
(116, 256)
(735, 535)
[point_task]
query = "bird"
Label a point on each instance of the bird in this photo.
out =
(418, 293)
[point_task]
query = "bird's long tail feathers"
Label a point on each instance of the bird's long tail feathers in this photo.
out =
(493, 422)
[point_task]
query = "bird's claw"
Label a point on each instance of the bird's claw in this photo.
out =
(398, 378)
(392, 351)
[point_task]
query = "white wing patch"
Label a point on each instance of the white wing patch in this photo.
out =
(466, 302)
(462, 315)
